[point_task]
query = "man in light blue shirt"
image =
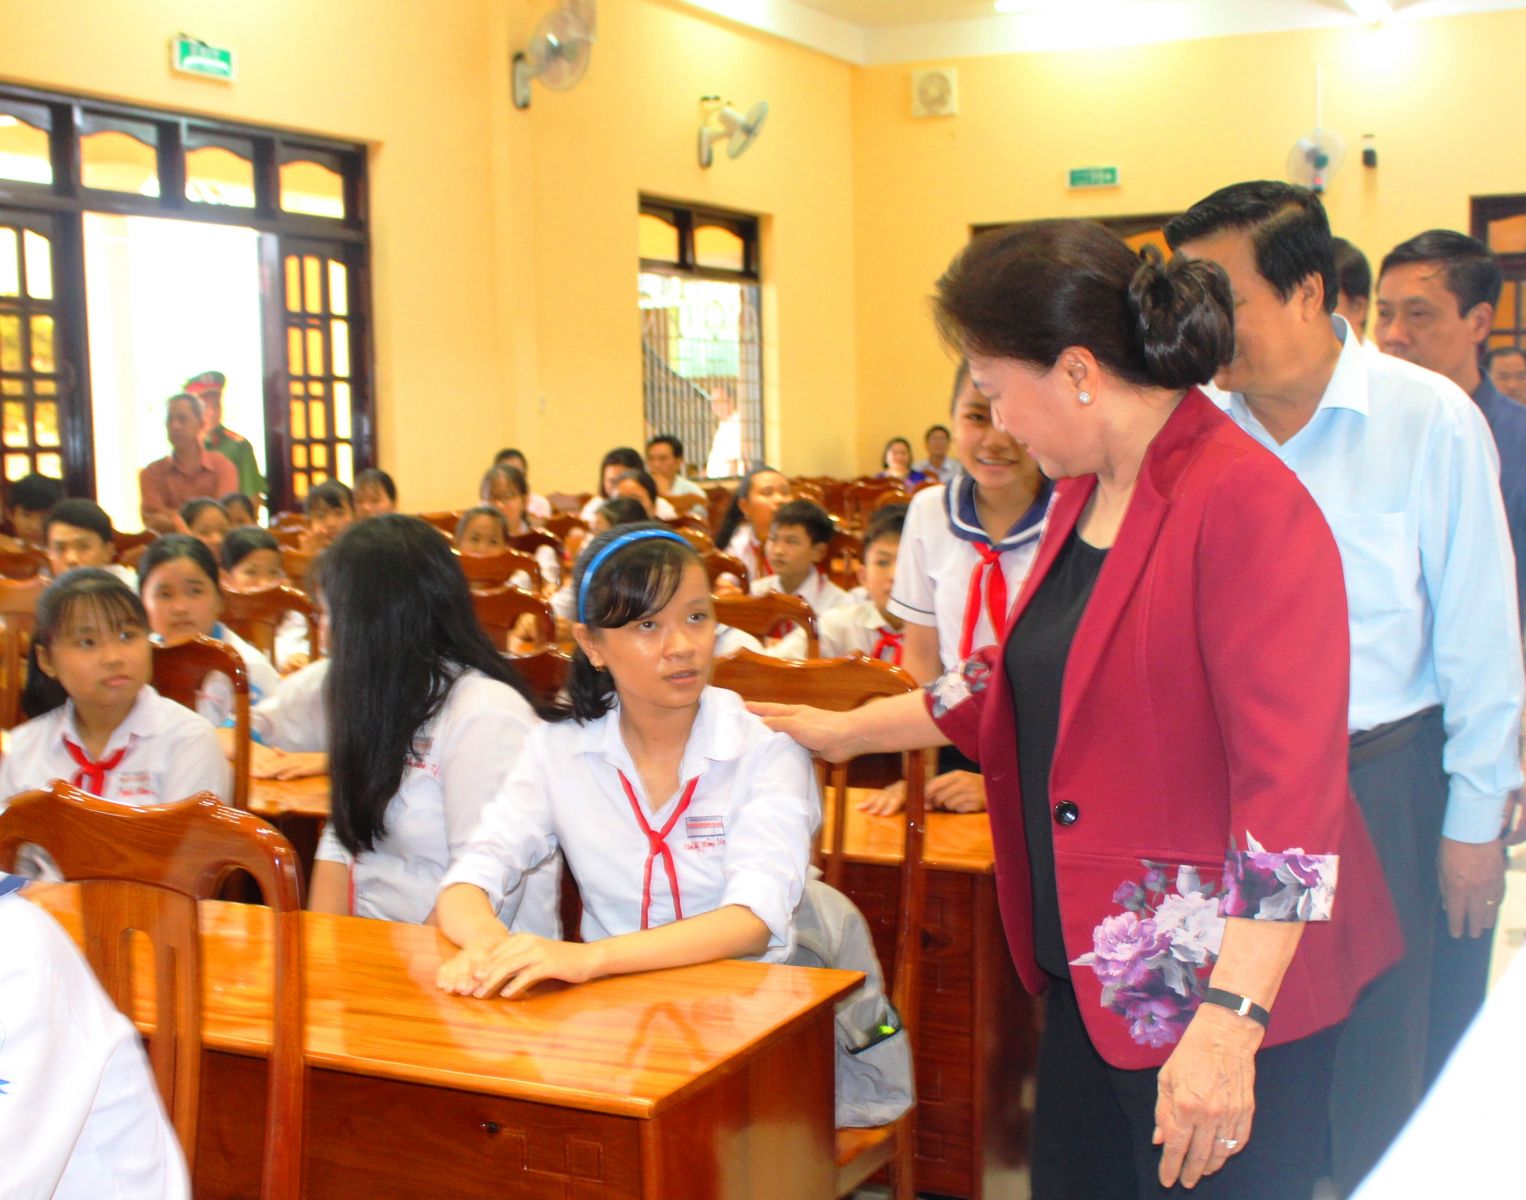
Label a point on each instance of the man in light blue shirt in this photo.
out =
(1403, 467)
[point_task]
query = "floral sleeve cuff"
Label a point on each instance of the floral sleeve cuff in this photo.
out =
(955, 686)
(1291, 886)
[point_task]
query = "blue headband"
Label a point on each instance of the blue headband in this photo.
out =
(625, 539)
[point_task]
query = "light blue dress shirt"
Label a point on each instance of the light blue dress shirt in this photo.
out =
(1402, 464)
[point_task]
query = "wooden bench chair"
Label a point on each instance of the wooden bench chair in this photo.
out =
(445, 522)
(22, 564)
(18, 618)
(130, 546)
(298, 563)
(545, 671)
(256, 616)
(568, 502)
(718, 564)
(687, 502)
(529, 543)
(143, 870)
(499, 610)
(845, 554)
(179, 672)
(840, 684)
(763, 616)
(563, 523)
(495, 570)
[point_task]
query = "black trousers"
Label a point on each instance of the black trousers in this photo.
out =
(1093, 1122)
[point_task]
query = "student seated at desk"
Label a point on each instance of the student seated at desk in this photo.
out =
(867, 626)
(798, 541)
(206, 520)
(78, 533)
(95, 720)
(83, 1119)
(686, 823)
(744, 528)
(241, 510)
(424, 718)
(487, 528)
(375, 493)
(251, 562)
(179, 581)
(330, 510)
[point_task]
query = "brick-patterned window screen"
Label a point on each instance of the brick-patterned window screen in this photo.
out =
(30, 375)
(321, 425)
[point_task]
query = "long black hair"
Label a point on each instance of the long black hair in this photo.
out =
(72, 594)
(402, 630)
(634, 581)
(734, 514)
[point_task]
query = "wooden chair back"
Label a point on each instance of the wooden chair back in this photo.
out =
(764, 616)
(568, 502)
(718, 564)
(529, 543)
(696, 537)
(179, 672)
(18, 619)
(803, 488)
(895, 495)
(297, 563)
(495, 570)
(840, 684)
(718, 501)
(845, 554)
(545, 672)
(256, 616)
(563, 523)
(143, 870)
(22, 564)
(860, 496)
(445, 522)
(499, 610)
(687, 502)
(130, 546)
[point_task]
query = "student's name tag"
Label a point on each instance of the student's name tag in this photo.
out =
(135, 785)
(703, 832)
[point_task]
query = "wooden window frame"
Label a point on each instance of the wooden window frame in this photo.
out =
(1483, 210)
(685, 218)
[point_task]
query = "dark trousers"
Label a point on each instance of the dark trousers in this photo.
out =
(1093, 1123)
(1401, 789)
(1459, 979)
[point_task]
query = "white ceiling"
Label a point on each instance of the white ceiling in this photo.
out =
(872, 32)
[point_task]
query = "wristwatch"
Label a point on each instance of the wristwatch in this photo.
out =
(1243, 1005)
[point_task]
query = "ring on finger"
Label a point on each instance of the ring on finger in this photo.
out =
(1228, 1143)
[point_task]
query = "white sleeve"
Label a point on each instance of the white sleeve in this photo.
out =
(768, 847)
(563, 603)
(517, 829)
(264, 679)
(292, 717)
(193, 762)
(912, 597)
(729, 639)
(550, 565)
(485, 738)
(331, 849)
(292, 639)
(792, 645)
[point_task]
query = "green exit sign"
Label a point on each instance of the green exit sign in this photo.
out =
(191, 56)
(1093, 177)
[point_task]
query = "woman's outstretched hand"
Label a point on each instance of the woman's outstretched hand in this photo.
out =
(821, 731)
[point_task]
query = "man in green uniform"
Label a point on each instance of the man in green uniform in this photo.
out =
(208, 388)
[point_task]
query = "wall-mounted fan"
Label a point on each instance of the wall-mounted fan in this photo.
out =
(738, 129)
(558, 52)
(1315, 157)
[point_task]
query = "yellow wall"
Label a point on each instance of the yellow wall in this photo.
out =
(1181, 120)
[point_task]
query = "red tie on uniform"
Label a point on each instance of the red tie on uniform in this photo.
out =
(657, 846)
(890, 640)
(989, 570)
(91, 775)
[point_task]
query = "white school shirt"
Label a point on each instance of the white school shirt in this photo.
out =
(684, 486)
(744, 545)
(663, 510)
(171, 753)
(80, 1115)
(744, 839)
(848, 627)
(938, 555)
(815, 589)
(454, 767)
(292, 718)
(214, 698)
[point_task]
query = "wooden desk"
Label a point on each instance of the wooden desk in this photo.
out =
(976, 1047)
(709, 1081)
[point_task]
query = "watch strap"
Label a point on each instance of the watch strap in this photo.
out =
(1243, 1005)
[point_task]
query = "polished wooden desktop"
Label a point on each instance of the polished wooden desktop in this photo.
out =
(708, 1081)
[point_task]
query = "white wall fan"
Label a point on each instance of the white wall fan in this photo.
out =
(723, 122)
(558, 52)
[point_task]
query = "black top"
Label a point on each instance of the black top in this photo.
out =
(1035, 661)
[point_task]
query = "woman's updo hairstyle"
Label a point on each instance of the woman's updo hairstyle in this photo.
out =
(641, 572)
(1028, 291)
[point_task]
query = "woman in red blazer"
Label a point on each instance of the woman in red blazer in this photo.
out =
(1162, 733)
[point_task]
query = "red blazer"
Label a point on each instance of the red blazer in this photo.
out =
(1200, 767)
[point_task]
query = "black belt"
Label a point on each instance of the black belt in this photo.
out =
(1374, 743)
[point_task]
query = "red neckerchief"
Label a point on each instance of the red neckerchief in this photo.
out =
(91, 775)
(987, 570)
(889, 641)
(657, 846)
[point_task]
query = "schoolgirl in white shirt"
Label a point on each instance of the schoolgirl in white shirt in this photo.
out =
(424, 720)
(505, 490)
(965, 551)
(178, 578)
(744, 528)
(251, 561)
(619, 463)
(686, 824)
(95, 721)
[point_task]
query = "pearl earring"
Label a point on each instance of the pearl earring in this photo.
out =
(1084, 397)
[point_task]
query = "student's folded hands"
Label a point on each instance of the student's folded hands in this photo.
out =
(508, 964)
(265, 762)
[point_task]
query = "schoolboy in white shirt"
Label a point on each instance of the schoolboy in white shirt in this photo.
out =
(798, 541)
(78, 533)
(867, 626)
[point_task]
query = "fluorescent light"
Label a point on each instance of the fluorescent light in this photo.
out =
(1371, 10)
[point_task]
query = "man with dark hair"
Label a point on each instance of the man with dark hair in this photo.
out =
(937, 465)
(208, 388)
(189, 471)
(31, 498)
(665, 461)
(1506, 366)
(1355, 294)
(1402, 466)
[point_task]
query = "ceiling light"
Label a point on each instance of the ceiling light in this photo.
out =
(1371, 10)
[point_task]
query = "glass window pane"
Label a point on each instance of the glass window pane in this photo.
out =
(119, 156)
(320, 476)
(51, 465)
(312, 273)
(315, 352)
(315, 388)
(218, 175)
(45, 387)
(39, 265)
(339, 294)
(719, 248)
(317, 419)
(658, 239)
(342, 410)
(294, 351)
(339, 346)
(10, 262)
(10, 344)
(15, 429)
(299, 456)
(24, 154)
(1504, 311)
(293, 283)
(45, 422)
(299, 422)
(307, 187)
(17, 465)
(42, 343)
(1507, 235)
(299, 484)
(11, 387)
(345, 454)
(320, 455)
